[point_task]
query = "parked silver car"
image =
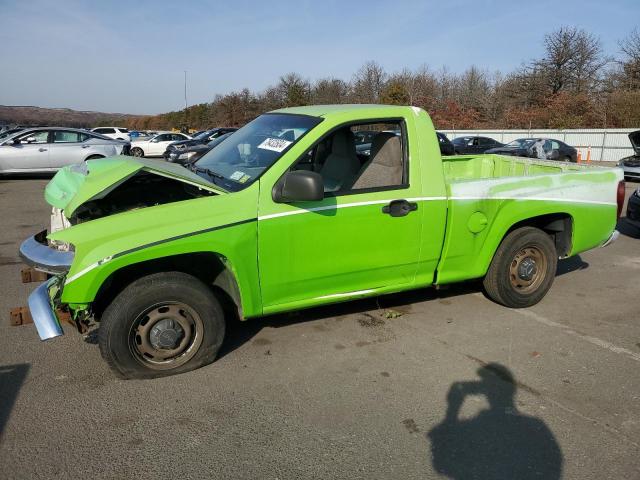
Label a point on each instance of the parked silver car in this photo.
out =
(50, 148)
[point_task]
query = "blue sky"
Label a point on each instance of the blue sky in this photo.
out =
(130, 56)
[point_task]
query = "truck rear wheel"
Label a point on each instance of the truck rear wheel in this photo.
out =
(162, 324)
(523, 268)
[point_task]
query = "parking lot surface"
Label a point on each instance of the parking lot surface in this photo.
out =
(426, 384)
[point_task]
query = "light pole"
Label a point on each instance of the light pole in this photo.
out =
(186, 119)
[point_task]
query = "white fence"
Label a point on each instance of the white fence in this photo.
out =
(608, 145)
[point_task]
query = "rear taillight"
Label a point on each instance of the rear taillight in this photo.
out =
(620, 197)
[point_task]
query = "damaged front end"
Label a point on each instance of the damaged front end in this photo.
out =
(80, 194)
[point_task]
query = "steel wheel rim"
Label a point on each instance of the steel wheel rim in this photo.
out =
(150, 337)
(528, 269)
(137, 152)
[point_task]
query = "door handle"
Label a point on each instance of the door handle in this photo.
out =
(42, 149)
(86, 146)
(399, 208)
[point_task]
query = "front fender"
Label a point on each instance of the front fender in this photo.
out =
(208, 224)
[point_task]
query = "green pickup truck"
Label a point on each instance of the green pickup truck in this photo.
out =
(289, 213)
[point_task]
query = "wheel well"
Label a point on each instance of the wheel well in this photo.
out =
(211, 268)
(558, 225)
(91, 157)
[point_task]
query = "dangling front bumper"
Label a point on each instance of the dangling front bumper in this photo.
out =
(36, 253)
(43, 313)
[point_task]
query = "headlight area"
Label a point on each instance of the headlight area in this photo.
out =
(59, 222)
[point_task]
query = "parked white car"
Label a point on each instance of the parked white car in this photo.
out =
(48, 149)
(156, 145)
(117, 133)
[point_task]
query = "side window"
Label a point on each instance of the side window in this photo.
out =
(36, 137)
(485, 141)
(555, 145)
(178, 137)
(62, 136)
(348, 163)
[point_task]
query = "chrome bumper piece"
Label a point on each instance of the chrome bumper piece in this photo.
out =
(614, 236)
(37, 254)
(43, 315)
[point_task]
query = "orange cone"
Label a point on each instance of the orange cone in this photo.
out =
(589, 155)
(579, 156)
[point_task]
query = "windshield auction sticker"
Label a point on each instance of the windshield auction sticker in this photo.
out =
(274, 144)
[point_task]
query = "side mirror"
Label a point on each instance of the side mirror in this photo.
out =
(298, 186)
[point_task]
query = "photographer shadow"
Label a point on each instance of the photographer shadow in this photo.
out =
(499, 442)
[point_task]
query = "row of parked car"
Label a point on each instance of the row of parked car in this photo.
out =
(543, 148)
(47, 149)
(42, 149)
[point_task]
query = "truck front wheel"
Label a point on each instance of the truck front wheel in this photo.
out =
(161, 324)
(523, 268)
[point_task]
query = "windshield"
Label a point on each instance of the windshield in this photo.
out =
(8, 133)
(521, 143)
(238, 161)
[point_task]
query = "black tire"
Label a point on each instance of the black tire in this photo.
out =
(140, 307)
(137, 152)
(567, 159)
(507, 281)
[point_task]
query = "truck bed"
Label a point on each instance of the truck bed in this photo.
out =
(460, 168)
(486, 194)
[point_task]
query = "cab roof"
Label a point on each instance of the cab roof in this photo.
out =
(326, 110)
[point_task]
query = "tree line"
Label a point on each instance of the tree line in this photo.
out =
(574, 84)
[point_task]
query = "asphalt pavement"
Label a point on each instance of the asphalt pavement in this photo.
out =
(426, 384)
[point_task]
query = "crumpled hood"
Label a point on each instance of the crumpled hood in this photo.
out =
(75, 184)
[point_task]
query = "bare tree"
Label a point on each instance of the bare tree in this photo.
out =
(630, 48)
(294, 90)
(472, 89)
(573, 60)
(368, 83)
(329, 90)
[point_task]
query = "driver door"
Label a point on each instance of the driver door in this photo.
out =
(347, 244)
